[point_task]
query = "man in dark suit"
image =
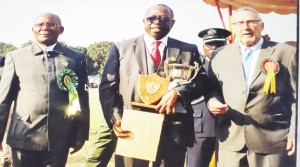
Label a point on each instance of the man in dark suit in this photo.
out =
(204, 122)
(46, 81)
(118, 88)
(257, 80)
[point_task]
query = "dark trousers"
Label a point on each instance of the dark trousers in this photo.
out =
(170, 155)
(103, 148)
(201, 153)
(29, 158)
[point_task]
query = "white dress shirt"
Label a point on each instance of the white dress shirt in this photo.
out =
(149, 41)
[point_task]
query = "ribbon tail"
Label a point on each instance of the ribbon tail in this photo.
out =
(74, 105)
(273, 82)
(267, 84)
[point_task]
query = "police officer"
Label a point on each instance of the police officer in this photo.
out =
(204, 123)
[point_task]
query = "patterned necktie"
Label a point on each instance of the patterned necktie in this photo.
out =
(246, 60)
(155, 54)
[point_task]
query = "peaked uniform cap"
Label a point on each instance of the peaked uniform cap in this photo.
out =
(214, 34)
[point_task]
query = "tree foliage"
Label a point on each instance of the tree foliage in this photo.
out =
(27, 44)
(5, 48)
(97, 56)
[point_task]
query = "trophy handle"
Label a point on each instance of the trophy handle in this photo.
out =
(179, 82)
(197, 69)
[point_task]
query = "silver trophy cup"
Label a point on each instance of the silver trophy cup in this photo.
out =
(180, 74)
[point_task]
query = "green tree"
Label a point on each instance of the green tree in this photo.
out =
(26, 44)
(97, 56)
(80, 48)
(5, 48)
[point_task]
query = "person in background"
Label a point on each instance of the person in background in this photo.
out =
(255, 106)
(118, 87)
(266, 37)
(213, 38)
(5, 158)
(46, 81)
(204, 122)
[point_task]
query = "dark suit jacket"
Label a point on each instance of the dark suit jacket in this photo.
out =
(38, 120)
(261, 121)
(127, 60)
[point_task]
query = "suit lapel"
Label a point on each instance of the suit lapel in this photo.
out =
(140, 55)
(264, 53)
(36, 50)
(236, 62)
(172, 50)
(58, 49)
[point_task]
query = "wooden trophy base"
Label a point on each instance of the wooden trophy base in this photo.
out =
(143, 105)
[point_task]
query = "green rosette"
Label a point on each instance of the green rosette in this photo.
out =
(67, 80)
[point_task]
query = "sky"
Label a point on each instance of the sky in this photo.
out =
(90, 21)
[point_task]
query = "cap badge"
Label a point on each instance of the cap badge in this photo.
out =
(212, 32)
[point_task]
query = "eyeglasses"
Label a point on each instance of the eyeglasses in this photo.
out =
(47, 24)
(162, 19)
(250, 23)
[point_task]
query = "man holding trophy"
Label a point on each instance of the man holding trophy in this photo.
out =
(154, 54)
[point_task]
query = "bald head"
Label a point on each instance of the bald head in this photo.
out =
(170, 11)
(47, 14)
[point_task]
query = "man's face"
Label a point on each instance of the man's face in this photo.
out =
(46, 29)
(158, 22)
(211, 46)
(247, 26)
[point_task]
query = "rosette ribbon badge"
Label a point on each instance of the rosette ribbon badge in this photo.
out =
(67, 80)
(270, 67)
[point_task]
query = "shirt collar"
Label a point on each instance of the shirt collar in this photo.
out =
(254, 47)
(149, 40)
(47, 48)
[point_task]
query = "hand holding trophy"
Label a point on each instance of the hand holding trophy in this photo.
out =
(152, 87)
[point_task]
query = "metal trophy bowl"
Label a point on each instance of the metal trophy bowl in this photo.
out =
(180, 74)
(181, 71)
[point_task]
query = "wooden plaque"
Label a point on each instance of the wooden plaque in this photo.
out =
(152, 87)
